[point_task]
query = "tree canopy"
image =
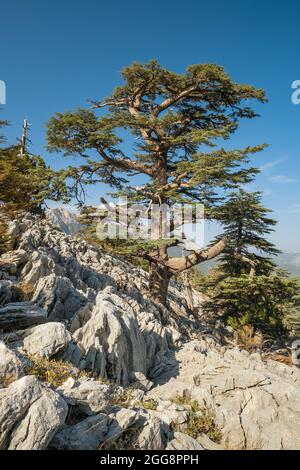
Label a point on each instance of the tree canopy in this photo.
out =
(171, 124)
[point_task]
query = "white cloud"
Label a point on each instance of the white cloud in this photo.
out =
(269, 165)
(282, 179)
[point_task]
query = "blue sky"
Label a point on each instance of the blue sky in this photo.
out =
(55, 55)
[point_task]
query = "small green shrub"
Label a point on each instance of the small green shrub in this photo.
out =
(199, 420)
(148, 404)
(57, 372)
(50, 370)
(122, 397)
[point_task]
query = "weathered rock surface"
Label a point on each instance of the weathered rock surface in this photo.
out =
(153, 436)
(12, 260)
(92, 310)
(5, 291)
(46, 340)
(184, 442)
(30, 414)
(120, 421)
(256, 404)
(111, 338)
(85, 435)
(21, 315)
(11, 367)
(89, 395)
(64, 219)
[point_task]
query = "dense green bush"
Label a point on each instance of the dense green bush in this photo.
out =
(261, 301)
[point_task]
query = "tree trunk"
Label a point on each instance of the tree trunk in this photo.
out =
(159, 282)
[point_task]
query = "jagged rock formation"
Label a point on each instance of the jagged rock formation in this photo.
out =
(30, 414)
(90, 310)
(64, 219)
(256, 404)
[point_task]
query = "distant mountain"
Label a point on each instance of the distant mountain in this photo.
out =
(64, 219)
(289, 261)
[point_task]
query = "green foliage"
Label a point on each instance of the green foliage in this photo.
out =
(50, 370)
(246, 225)
(260, 301)
(203, 282)
(25, 183)
(199, 421)
(2, 124)
(130, 249)
(56, 372)
(122, 397)
(168, 121)
(170, 116)
(147, 404)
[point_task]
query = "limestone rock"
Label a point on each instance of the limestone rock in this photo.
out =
(64, 219)
(46, 340)
(119, 422)
(207, 443)
(118, 333)
(141, 382)
(112, 336)
(30, 414)
(11, 260)
(11, 367)
(183, 442)
(58, 296)
(85, 435)
(5, 291)
(81, 317)
(21, 315)
(255, 404)
(89, 395)
(153, 435)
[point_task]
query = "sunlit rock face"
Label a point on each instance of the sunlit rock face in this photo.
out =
(81, 310)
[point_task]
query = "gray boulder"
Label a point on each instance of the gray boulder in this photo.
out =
(21, 315)
(85, 435)
(11, 366)
(30, 414)
(183, 442)
(153, 435)
(46, 340)
(89, 395)
(255, 404)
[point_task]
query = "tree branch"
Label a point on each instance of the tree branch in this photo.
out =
(250, 262)
(172, 100)
(178, 265)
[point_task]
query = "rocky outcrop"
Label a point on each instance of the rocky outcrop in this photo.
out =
(11, 366)
(88, 395)
(85, 435)
(46, 340)
(21, 315)
(64, 219)
(30, 414)
(256, 404)
(182, 441)
(91, 310)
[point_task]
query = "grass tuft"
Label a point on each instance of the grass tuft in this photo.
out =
(199, 421)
